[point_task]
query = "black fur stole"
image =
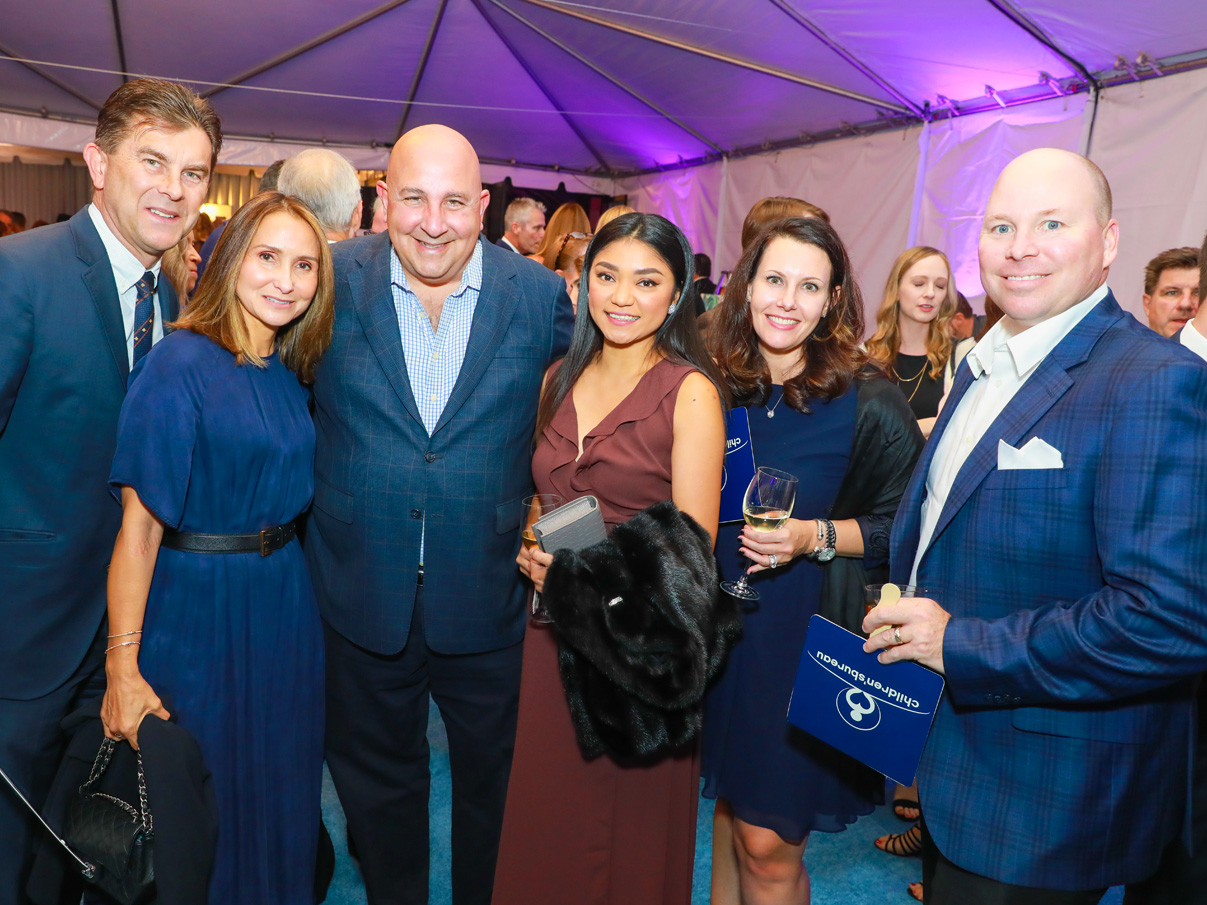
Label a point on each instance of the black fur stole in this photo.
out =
(642, 627)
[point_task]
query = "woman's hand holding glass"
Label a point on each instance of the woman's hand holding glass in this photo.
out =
(767, 507)
(796, 538)
(534, 562)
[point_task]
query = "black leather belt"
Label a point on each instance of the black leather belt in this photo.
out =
(262, 542)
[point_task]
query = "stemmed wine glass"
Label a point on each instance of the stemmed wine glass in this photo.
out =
(533, 507)
(766, 507)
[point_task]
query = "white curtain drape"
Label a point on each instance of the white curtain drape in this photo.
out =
(232, 189)
(1151, 142)
(1148, 138)
(865, 184)
(965, 156)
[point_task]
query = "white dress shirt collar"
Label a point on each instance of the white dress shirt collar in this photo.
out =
(127, 269)
(1193, 340)
(1031, 346)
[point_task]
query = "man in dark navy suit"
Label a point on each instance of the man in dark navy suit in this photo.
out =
(425, 407)
(1182, 877)
(1056, 518)
(80, 301)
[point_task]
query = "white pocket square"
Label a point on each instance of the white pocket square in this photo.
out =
(1034, 454)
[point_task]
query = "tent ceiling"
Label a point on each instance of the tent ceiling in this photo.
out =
(638, 85)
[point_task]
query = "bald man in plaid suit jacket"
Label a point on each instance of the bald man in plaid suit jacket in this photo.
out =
(1057, 519)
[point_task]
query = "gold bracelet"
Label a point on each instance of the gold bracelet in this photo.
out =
(123, 644)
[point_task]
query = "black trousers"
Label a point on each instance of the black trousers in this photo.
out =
(377, 751)
(31, 748)
(943, 883)
(1182, 877)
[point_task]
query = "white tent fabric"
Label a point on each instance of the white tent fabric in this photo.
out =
(609, 88)
(964, 158)
(607, 97)
(1150, 139)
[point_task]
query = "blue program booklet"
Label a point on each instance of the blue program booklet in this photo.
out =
(739, 464)
(878, 714)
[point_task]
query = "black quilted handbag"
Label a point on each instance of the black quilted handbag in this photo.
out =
(113, 837)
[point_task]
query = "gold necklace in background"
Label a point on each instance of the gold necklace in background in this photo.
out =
(917, 377)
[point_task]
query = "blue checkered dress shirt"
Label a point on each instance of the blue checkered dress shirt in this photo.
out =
(434, 357)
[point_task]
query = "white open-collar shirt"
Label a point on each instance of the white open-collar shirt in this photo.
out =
(1001, 363)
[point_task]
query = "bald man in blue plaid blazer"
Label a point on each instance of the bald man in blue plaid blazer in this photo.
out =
(1057, 519)
(425, 410)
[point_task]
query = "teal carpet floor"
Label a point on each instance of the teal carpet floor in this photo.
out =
(845, 868)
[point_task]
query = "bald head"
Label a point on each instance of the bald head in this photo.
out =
(1046, 161)
(1048, 238)
(435, 204)
(433, 144)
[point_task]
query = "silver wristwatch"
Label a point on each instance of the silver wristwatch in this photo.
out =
(826, 536)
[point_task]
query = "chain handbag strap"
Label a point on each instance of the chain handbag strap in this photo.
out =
(100, 764)
(144, 808)
(103, 756)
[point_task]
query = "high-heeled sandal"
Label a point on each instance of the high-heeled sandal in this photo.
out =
(902, 805)
(915, 890)
(903, 845)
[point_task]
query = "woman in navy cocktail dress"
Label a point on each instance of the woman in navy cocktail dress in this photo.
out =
(215, 438)
(786, 337)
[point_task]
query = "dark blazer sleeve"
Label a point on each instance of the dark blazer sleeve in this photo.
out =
(563, 326)
(884, 452)
(16, 339)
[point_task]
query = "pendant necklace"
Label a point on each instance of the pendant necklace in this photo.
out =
(771, 411)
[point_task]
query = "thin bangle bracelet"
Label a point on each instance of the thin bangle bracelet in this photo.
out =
(123, 644)
(123, 634)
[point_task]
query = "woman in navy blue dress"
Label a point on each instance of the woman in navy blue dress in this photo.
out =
(786, 337)
(215, 439)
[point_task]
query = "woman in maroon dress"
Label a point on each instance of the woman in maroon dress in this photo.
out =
(632, 415)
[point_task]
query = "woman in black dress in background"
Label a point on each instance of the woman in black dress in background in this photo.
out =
(913, 336)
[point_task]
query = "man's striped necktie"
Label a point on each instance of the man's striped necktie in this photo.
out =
(144, 316)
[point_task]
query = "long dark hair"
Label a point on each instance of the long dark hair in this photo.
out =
(678, 339)
(831, 353)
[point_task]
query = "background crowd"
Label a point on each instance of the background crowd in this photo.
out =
(183, 402)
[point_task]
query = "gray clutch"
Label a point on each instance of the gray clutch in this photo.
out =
(574, 526)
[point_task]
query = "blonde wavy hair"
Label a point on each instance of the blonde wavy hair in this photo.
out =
(886, 341)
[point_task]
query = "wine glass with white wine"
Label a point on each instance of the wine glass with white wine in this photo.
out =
(767, 506)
